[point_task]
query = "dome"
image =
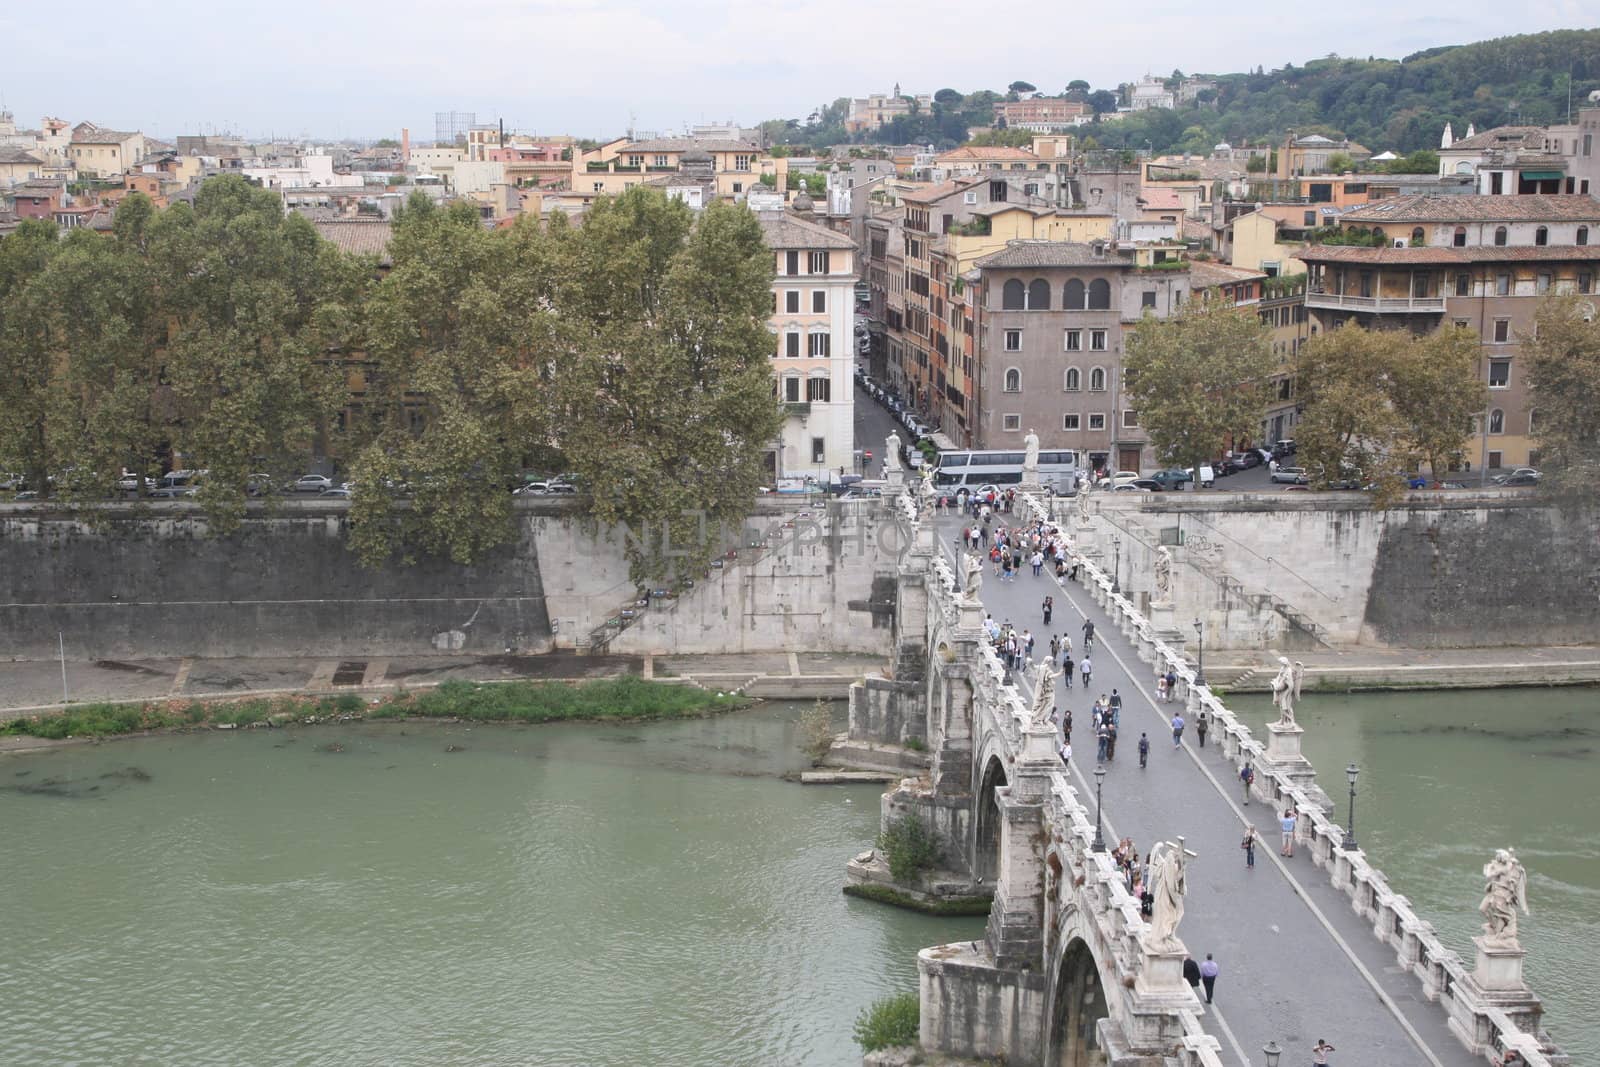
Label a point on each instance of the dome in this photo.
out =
(1223, 147)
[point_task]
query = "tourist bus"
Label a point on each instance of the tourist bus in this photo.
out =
(971, 469)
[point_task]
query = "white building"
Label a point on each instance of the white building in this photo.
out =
(813, 344)
(311, 171)
(1151, 92)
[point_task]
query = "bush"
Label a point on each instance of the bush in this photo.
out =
(816, 730)
(908, 847)
(889, 1023)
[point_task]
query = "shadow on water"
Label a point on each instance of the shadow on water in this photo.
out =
(78, 789)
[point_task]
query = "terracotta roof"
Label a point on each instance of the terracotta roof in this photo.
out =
(1416, 257)
(1160, 200)
(985, 152)
(360, 237)
(13, 154)
(1052, 254)
(1204, 274)
(783, 230)
(940, 191)
(1424, 208)
(1501, 137)
(101, 136)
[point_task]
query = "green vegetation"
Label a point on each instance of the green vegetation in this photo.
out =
(531, 702)
(947, 907)
(1564, 371)
(816, 730)
(909, 848)
(890, 1022)
(1358, 236)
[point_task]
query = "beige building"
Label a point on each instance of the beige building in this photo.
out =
(1253, 241)
(18, 165)
(735, 166)
(97, 152)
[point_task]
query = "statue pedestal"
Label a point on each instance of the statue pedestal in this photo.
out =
(1283, 754)
(1162, 972)
(1031, 484)
(970, 621)
(1499, 967)
(1495, 985)
(1162, 616)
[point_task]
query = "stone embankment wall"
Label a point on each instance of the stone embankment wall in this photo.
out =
(126, 582)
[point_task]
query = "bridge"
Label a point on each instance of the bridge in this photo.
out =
(1317, 946)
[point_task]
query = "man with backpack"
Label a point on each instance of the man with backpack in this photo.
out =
(1144, 750)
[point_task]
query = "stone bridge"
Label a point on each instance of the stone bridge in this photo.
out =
(1068, 972)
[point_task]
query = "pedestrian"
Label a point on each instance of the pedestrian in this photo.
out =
(1066, 668)
(1066, 753)
(1200, 727)
(1208, 975)
(1037, 561)
(1027, 637)
(1177, 729)
(1172, 685)
(1191, 974)
(1111, 740)
(1144, 750)
(1102, 739)
(1161, 688)
(1066, 724)
(1287, 824)
(1249, 846)
(1055, 642)
(1050, 606)
(1247, 775)
(1319, 1054)
(1116, 705)
(1088, 635)
(1086, 668)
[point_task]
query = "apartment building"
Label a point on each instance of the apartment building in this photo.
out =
(813, 305)
(1312, 153)
(97, 152)
(1481, 262)
(734, 166)
(880, 109)
(1042, 114)
(1526, 160)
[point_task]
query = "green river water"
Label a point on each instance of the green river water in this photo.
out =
(628, 895)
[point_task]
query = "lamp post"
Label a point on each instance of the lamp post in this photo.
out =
(1116, 567)
(1200, 661)
(1272, 1052)
(1099, 832)
(1350, 845)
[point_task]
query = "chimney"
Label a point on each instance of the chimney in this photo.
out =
(405, 147)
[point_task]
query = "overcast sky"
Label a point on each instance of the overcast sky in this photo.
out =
(358, 68)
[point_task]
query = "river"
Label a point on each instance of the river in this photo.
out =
(563, 895)
(1447, 777)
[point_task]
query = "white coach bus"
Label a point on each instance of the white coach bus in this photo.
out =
(1058, 470)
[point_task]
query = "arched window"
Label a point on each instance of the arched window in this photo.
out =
(1038, 295)
(1099, 295)
(1541, 236)
(1497, 421)
(1463, 167)
(1097, 380)
(1417, 238)
(1460, 239)
(1072, 296)
(1014, 296)
(1072, 381)
(1499, 235)
(1583, 235)
(1013, 380)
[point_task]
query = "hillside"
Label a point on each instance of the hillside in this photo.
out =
(1401, 105)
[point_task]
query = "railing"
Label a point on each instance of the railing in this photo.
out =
(1374, 303)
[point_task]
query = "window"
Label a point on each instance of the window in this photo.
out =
(1541, 284)
(969, 198)
(738, 187)
(791, 301)
(1097, 340)
(1072, 380)
(1585, 281)
(1014, 297)
(1497, 421)
(791, 389)
(819, 263)
(1013, 380)
(1011, 422)
(1583, 235)
(791, 263)
(1310, 218)
(1418, 239)
(635, 161)
(819, 450)
(1499, 235)
(1072, 297)
(1097, 422)
(1099, 295)
(1038, 295)
(818, 389)
(1463, 285)
(1130, 419)
(743, 163)
(1502, 331)
(1071, 422)
(791, 342)
(820, 346)
(1541, 236)
(1460, 237)
(1074, 342)
(1533, 427)
(1097, 380)
(1502, 285)
(660, 161)
(1013, 340)
(1147, 299)
(1499, 373)
(819, 301)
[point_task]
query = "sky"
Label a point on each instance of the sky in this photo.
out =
(362, 69)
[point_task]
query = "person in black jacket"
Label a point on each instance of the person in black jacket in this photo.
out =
(1191, 974)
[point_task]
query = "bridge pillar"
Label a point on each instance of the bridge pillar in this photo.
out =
(1015, 934)
(1494, 986)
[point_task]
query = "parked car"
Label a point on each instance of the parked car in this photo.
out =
(1149, 485)
(1172, 479)
(1283, 448)
(1122, 478)
(1518, 478)
(1290, 476)
(311, 483)
(178, 484)
(531, 489)
(1208, 476)
(338, 491)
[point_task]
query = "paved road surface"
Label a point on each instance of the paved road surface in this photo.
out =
(1296, 963)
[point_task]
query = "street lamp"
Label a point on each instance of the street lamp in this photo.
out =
(1272, 1052)
(1116, 568)
(1200, 661)
(1350, 845)
(1099, 832)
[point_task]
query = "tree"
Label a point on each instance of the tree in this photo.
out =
(1563, 357)
(1021, 87)
(947, 97)
(386, 142)
(28, 351)
(1077, 85)
(1255, 164)
(1436, 391)
(1422, 161)
(1200, 379)
(1102, 101)
(1003, 137)
(1339, 163)
(1349, 421)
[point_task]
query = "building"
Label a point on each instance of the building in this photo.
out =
(1522, 160)
(452, 126)
(813, 304)
(1313, 153)
(18, 165)
(1480, 262)
(734, 166)
(1151, 92)
(1050, 339)
(39, 199)
(1042, 114)
(880, 109)
(97, 152)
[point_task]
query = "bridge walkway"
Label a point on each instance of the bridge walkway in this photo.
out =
(1297, 964)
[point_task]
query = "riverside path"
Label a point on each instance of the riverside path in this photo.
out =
(1297, 965)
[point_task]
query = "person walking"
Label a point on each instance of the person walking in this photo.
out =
(1172, 685)
(1191, 974)
(1319, 1053)
(1111, 741)
(1144, 751)
(1055, 642)
(1049, 607)
(1208, 975)
(1066, 753)
(1247, 775)
(1177, 729)
(1251, 839)
(1287, 824)
(1102, 738)
(1200, 727)
(1086, 668)
(1115, 704)
(1066, 668)
(1088, 635)
(1037, 562)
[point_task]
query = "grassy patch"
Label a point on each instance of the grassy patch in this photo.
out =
(611, 698)
(890, 1022)
(948, 907)
(909, 848)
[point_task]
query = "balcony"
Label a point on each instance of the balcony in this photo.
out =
(1400, 305)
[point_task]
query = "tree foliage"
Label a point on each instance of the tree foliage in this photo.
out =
(1564, 373)
(1199, 380)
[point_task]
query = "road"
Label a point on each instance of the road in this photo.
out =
(1297, 964)
(873, 424)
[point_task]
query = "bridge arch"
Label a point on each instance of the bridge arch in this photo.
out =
(986, 829)
(1077, 1003)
